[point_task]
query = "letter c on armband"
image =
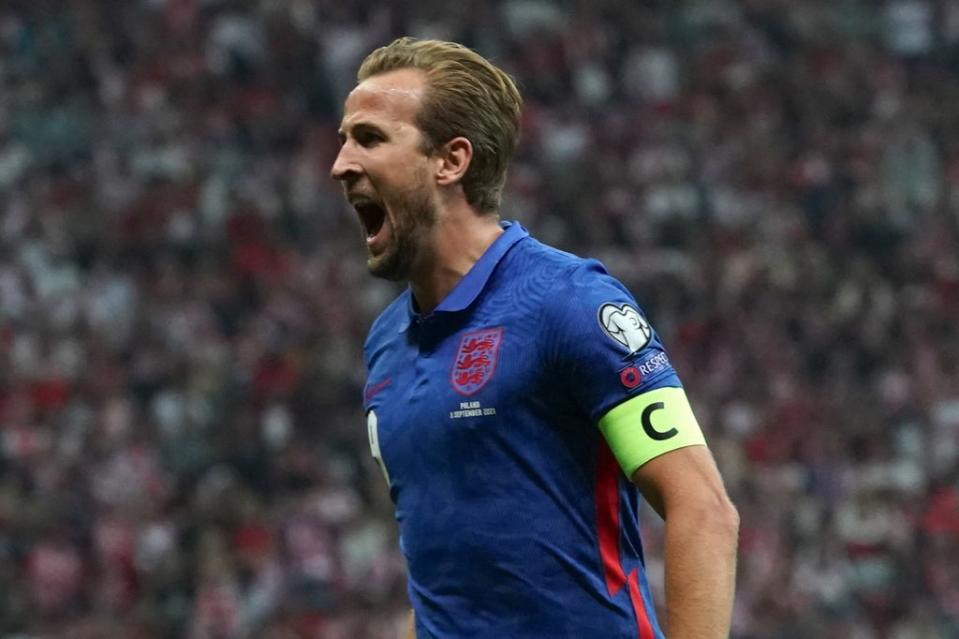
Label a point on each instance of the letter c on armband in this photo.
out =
(634, 447)
(658, 435)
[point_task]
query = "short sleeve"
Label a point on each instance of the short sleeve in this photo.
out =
(602, 342)
(616, 369)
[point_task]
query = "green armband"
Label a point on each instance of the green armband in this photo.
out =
(649, 425)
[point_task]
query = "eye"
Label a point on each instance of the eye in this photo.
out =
(368, 138)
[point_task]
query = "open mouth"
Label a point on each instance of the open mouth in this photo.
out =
(372, 215)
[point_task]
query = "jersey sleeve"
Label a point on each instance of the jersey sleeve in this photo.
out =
(616, 369)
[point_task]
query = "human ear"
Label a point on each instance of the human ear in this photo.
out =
(453, 159)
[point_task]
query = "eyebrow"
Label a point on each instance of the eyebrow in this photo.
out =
(360, 127)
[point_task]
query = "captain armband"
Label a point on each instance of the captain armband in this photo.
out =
(649, 425)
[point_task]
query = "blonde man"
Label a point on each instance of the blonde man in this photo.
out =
(518, 401)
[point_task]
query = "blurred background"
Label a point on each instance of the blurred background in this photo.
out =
(183, 296)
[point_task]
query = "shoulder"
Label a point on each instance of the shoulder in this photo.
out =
(581, 283)
(533, 255)
(566, 287)
(561, 272)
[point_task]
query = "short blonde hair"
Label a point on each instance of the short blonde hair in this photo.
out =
(466, 95)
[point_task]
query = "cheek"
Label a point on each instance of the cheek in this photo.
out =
(413, 187)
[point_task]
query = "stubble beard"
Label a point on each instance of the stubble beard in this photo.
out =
(412, 223)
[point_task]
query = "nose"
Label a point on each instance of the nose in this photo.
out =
(345, 167)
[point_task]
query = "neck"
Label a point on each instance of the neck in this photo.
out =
(458, 240)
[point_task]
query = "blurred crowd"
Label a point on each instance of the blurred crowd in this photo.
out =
(183, 296)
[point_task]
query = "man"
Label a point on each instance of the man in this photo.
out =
(509, 379)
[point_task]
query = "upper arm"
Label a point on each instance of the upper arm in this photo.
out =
(600, 344)
(682, 478)
(616, 369)
(650, 425)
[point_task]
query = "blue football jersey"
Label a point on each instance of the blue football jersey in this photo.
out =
(515, 519)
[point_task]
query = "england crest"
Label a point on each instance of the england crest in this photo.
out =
(475, 360)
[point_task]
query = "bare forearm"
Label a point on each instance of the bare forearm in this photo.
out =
(700, 573)
(411, 627)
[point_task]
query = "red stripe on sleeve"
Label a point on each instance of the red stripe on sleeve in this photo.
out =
(608, 531)
(639, 608)
(607, 519)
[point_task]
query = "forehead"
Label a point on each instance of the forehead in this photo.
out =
(394, 96)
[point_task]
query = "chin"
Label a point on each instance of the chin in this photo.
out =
(387, 266)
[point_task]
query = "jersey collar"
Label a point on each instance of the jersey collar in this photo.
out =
(469, 288)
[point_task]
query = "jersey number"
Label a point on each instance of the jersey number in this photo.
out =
(374, 433)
